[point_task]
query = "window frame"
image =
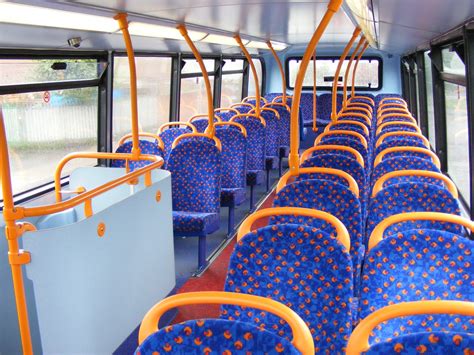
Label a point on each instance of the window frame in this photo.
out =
(379, 59)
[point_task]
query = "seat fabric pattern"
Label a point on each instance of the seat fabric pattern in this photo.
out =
(214, 336)
(225, 115)
(349, 127)
(284, 125)
(256, 141)
(272, 133)
(396, 118)
(233, 157)
(402, 163)
(325, 106)
(356, 119)
(195, 222)
(146, 147)
(200, 124)
(416, 265)
(306, 108)
(399, 141)
(322, 176)
(350, 142)
(169, 135)
(380, 97)
(243, 109)
(409, 197)
(435, 343)
(301, 267)
(271, 95)
(396, 128)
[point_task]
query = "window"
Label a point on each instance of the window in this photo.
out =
(153, 86)
(452, 63)
(458, 137)
(232, 81)
(258, 68)
(416, 88)
(369, 73)
(429, 100)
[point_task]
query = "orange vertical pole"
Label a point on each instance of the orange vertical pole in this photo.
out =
(123, 24)
(315, 107)
(210, 105)
(254, 71)
(338, 70)
(333, 7)
(346, 75)
(16, 256)
(366, 45)
(282, 72)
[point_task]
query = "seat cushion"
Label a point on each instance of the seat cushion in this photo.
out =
(255, 177)
(271, 163)
(195, 222)
(232, 196)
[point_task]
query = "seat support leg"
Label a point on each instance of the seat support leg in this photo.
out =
(251, 197)
(280, 166)
(230, 226)
(268, 179)
(202, 252)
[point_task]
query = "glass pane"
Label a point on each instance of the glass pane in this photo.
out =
(258, 67)
(452, 63)
(153, 83)
(417, 84)
(367, 73)
(27, 71)
(192, 66)
(231, 89)
(43, 127)
(429, 101)
(193, 97)
(458, 138)
(233, 64)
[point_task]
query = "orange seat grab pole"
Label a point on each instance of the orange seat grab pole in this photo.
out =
(282, 71)
(354, 72)
(355, 34)
(333, 7)
(346, 75)
(123, 24)
(315, 97)
(254, 72)
(210, 105)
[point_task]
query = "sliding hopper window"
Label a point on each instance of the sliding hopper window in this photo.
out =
(232, 81)
(259, 69)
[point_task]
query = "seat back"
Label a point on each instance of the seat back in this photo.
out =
(256, 141)
(400, 142)
(349, 142)
(325, 105)
(195, 166)
(380, 97)
(284, 124)
(402, 163)
(146, 147)
(233, 157)
(272, 132)
(169, 135)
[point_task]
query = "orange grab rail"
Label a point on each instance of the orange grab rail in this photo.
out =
(402, 134)
(425, 173)
(302, 338)
(252, 115)
(428, 152)
(391, 105)
(389, 115)
(397, 123)
(355, 114)
(340, 131)
(345, 148)
(377, 234)
(341, 231)
(348, 69)
(392, 110)
(204, 135)
(248, 98)
(354, 72)
(271, 104)
(340, 122)
(196, 117)
(223, 109)
(293, 158)
(280, 97)
(170, 124)
(358, 105)
(282, 71)
(268, 109)
(142, 134)
(349, 109)
(242, 104)
(353, 186)
(210, 105)
(392, 98)
(235, 124)
(359, 340)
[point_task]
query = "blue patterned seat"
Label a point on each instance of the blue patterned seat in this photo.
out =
(146, 147)
(301, 267)
(380, 97)
(353, 143)
(356, 119)
(283, 132)
(418, 265)
(243, 108)
(271, 95)
(272, 142)
(349, 127)
(234, 169)
(216, 336)
(325, 107)
(200, 124)
(396, 119)
(195, 167)
(397, 128)
(409, 197)
(306, 109)
(399, 141)
(169, 135)
(331, 197)
(402, 163)
(225, 115)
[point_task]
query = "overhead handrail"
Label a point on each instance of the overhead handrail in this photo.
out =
(343, 56)
(428, 152)
(340, 131)
(282, 72)
(397, 123)
(348, 69)
(253, 115)
(355, 114)
(334, 147)
(302, 337)
(293, 158)
(402, 134)
(377, 234)
(341, 122)
(177, 123)
(248, 98)
(268, 109)
(143, 134)
(254, 72)
(423, 173)
(234, 124)
(353, 186)
(359, 339)
(210, 105)
(354, 72)
(216, 140)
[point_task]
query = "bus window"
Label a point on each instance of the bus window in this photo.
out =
(232, 81)
(258, 68)
(153, 85)
(429, 100)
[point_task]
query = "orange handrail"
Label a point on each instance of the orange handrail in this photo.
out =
(397, 123)
(428, 152)
(335, 147)
(202, 115)
(293, 158)
(270, 104)
(350, 109)
(143, 134)
(210, 105)
(253, 115)
(242, 104)
(377, 234)
(269, 109)
(359, 340)
(358, 105)
(280, 67)
(392, 98)
(354, 72)
(397, 105)
(343, 56)
(392, 110)
(276, 98)
(235, 124)
(360, 97)
(349, 65)
(389, 115)
(248, 98)
(424, 173)
(402, 134)
(340, 122)
(254, 72)
(355, 114)
(226, 109)
(302, 338)
(341, 231)
(204, 135)
(353, 186)
(349, 133)
(177, 123)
